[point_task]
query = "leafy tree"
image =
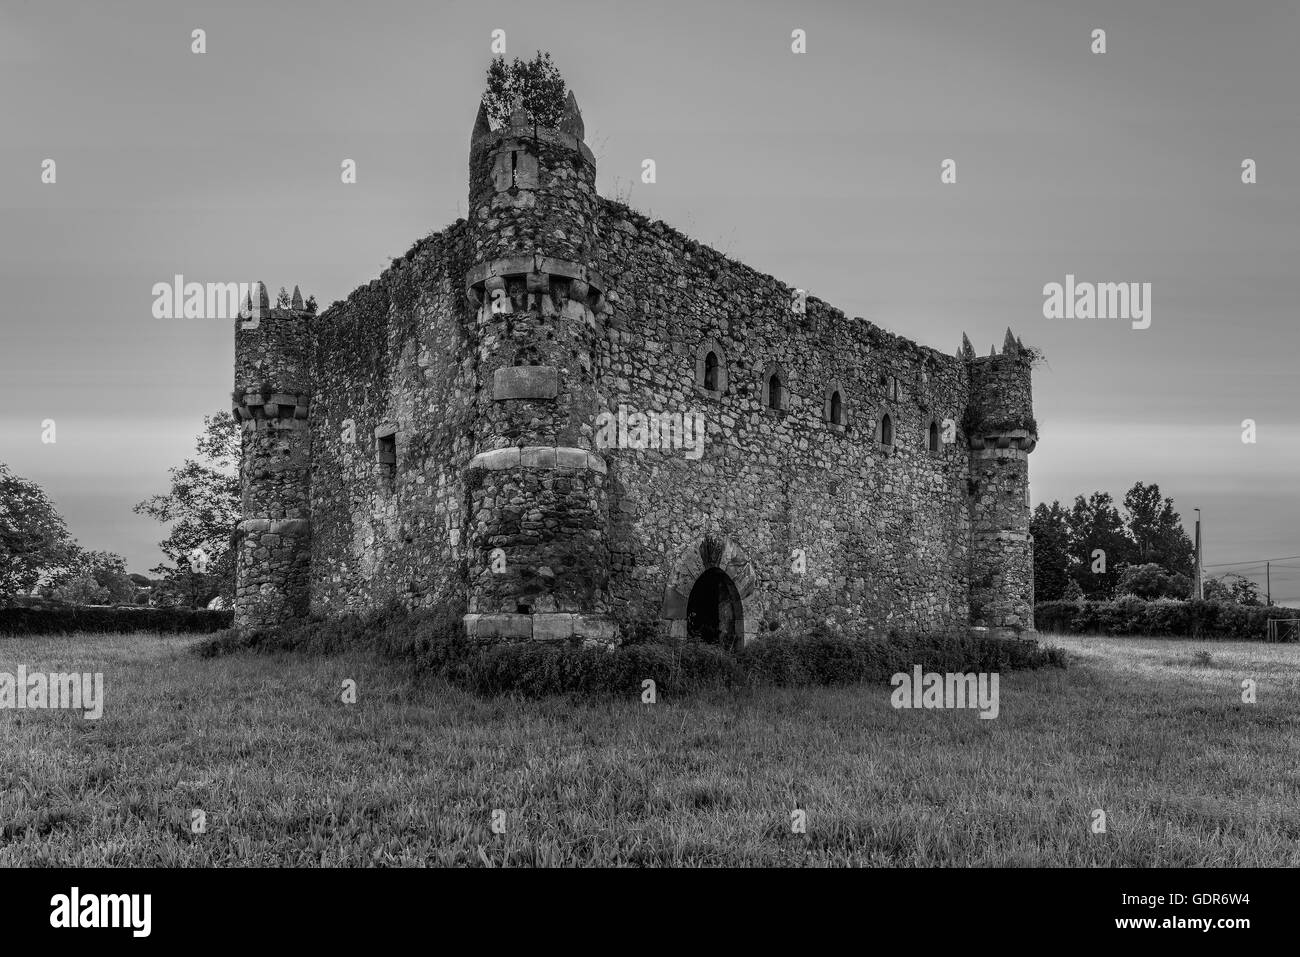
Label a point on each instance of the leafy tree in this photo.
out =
(34, 541)
(1150, 580)
(1157, 530)
(80, 589)
(1072, 591)
(535, 83)
(204, 506)
(108, 571)
(1095, 524)
(1232, 587)
(1050, 527)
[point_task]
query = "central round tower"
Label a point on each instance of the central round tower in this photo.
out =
(538, 496)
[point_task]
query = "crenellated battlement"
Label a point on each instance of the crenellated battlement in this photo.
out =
(1000, 414)
(519, 283)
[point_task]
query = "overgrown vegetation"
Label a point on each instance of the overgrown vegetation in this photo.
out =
(976, 421)
(53, 619)
(435, 644)
(534, 84)
(1163, 617)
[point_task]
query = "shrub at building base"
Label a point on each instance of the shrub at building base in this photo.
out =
(435, 644)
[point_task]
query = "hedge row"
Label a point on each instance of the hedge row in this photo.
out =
(59, 619)
(1161, 618)
(436, 645)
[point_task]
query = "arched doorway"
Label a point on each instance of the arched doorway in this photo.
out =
(713, 610)
(710, 593)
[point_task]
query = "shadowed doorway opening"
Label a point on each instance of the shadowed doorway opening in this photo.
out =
(713, 610)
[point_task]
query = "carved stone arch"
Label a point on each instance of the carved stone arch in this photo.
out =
(782, 399)
(828, 405)
(725, 555)
(711, 345)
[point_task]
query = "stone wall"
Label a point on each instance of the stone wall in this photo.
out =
(884, 528)
(397, 358)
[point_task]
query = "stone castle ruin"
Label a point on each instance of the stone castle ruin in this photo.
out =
(472, 430)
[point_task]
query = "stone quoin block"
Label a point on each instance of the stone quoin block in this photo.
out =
(525, 382)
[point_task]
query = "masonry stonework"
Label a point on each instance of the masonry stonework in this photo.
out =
(435, 439)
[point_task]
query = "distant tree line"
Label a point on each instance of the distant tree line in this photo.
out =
(1097, 550)
(39, 558)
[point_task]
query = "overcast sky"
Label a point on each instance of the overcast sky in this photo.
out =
(821, 168)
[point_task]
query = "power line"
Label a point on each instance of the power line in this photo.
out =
(1260, 561)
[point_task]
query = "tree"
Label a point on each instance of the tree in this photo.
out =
(34, 540)
(1096, 526)
(535, 84)
(108, 571)
(80, 589)
(1150, 580)
(1050, 528)
(204, 505)
(1157, 530)
(1233, 588)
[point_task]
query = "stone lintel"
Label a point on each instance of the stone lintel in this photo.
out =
(275, 526)
(1003, 535)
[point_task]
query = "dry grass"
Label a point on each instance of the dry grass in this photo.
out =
(410, 775)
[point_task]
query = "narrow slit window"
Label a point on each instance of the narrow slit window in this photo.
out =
(774, 389)
(934, 436)
(711, 372)
(837, 409)
(886, 431)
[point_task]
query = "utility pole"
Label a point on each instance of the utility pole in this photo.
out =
(1200, 584)
(1268, 583)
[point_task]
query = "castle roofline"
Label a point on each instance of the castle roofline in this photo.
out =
(866, 326)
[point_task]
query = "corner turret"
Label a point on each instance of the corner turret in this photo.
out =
(538, 551)
(1001, 431)
(271, 400)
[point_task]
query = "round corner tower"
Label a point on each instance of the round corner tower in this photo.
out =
(537, 486)
(1002, 432)
(271, 400)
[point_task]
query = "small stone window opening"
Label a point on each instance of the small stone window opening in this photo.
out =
(934, 436)
(837, 409)
(886, 430)
(711, 368)
(386, 453)
(711, 372)
(774, 392)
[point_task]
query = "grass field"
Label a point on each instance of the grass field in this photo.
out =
(287, 774)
